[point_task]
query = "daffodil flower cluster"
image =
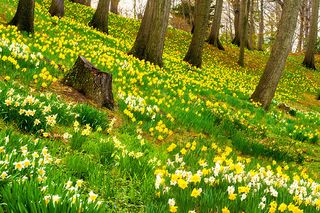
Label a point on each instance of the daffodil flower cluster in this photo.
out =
(222, 179)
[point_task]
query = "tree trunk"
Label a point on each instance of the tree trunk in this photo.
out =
(230, 20)
(306, 21)
(150, 39)
(251, 26)
(244, 31)
(261, 27)
(215, 28)
(91, 82)
(100, 17)
(301, 30)
(134, 9)
(84, 2)
(312, 38)
(114, 6)
(236, 11)
(268, 83)
(57, 8)
(194, 54)
(24, 17)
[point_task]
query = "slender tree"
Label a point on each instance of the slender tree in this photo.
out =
(215, 27)
(194, 54)
(244, 31)
(100, 17)
(57, 8)
(306, 20)
(261, 27)
(252, 29)
(134, 9)
(114, 6)
(150, 39)
(269, 80)
(24, 17)
(301, 29)
(236, 11)
(312, 38)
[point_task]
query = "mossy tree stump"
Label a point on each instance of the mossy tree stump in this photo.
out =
(91, 82)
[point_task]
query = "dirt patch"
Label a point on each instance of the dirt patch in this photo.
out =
(2, 19)
(309, 100)
(69, 94)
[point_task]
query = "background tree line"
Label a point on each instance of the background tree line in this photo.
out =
(205, 17)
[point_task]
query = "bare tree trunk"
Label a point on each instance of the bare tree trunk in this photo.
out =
(306, 21)
(236, 11)
(24, 17)
(134, 9)
(84, 2)
(215, 28)
(301, 30)
(194, 54)
(244, 31)
(251, 26)
(248, 44)
(100, 17)
(268, 83)
(261, 27)
(191, 16)
(312, 38)
(57, 8)
(114, 6)
(150, 39)
(230, 21)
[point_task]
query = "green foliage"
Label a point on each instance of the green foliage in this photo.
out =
(93, 117)
(88, 161)
(318, 46)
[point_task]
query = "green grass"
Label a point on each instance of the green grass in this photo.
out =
(119, 154)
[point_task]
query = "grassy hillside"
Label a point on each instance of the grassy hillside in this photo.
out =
(180, 139)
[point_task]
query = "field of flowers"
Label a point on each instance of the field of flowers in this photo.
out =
(180, 140)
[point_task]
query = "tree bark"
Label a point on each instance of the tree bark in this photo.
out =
(244, 31)
(100, 17)
(252, 30)
(91, 82)
(215, 28)
(312, 38)
(236, 11)
(191, 17)
(268, 83)
(84, 2)
(134, 9)
(114, 6)
(57, 8)
(301, 30)
(306, 21)
(24, 17)
(230, 20)
(150, 39)
(194, 54)
(261, 27)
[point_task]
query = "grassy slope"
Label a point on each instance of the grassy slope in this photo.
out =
(205, 105)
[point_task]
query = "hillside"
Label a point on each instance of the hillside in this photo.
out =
(180, 138)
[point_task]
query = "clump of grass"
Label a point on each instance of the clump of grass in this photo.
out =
(92, 116)
(80, 165)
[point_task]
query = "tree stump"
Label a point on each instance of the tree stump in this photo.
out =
(91, 82)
